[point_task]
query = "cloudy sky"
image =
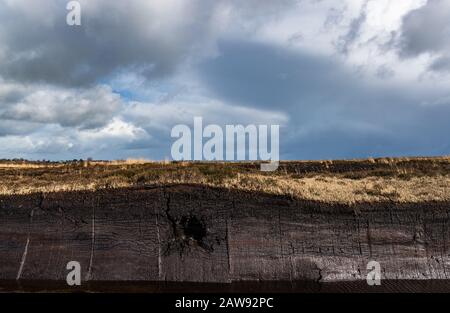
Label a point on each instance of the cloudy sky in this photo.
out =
(343, 78)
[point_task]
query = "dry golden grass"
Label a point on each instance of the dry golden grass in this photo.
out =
(344, 190)
(24, 166)
(119, 162)
(399, 180)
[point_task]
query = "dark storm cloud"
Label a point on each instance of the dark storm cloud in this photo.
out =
(426, 29)
(268, 76)
(332, 111)
(148, 38)
(441, 64)
(113, 35)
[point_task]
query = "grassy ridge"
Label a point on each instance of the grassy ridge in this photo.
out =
(400, 180)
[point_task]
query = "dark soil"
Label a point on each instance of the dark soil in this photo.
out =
(187, 234)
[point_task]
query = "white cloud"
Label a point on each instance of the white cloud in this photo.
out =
(115, 130)
(88, 108)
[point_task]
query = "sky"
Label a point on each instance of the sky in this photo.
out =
(343, 78)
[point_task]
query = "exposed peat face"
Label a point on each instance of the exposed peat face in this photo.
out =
(197, 234)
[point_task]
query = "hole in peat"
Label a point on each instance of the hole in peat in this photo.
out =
(193, 228)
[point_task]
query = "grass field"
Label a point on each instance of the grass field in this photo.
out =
(400, 180)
